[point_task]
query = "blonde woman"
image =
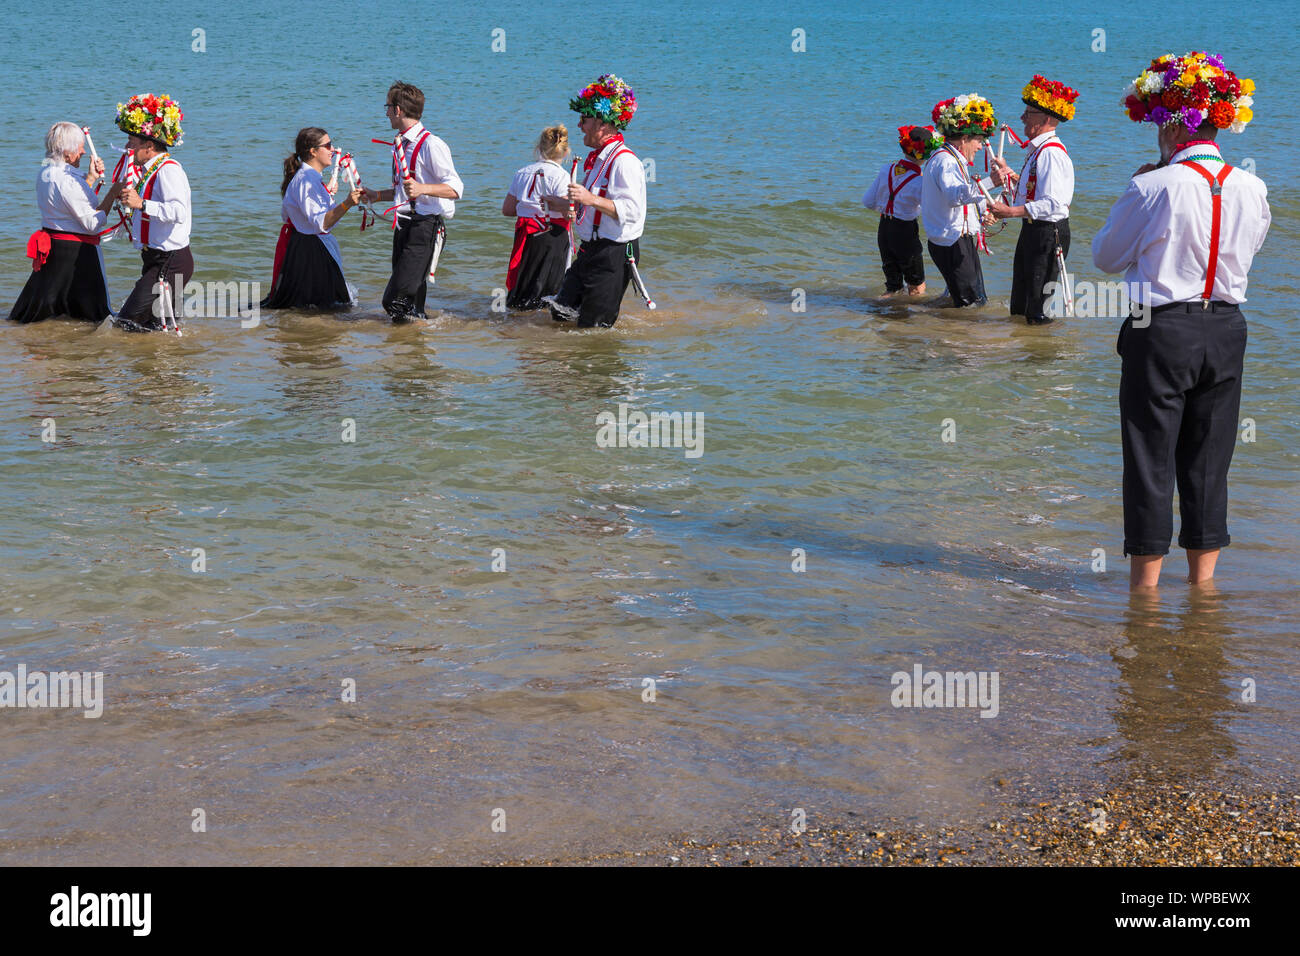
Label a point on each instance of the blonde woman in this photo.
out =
(538, 198)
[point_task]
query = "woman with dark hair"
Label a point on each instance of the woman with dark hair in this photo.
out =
(67, 268)
(539, 200)
(308, 269)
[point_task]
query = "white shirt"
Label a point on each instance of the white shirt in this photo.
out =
(947, 186)
(1054, 189)
(432, 166)
(168, 207)
(625, 177)
(66, 203)
(534, 182)
(907, 201)
(305, 203)
(1158, 232)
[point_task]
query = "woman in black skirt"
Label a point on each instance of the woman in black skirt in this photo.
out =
(308, 268)
(538, 198)
(67, 268)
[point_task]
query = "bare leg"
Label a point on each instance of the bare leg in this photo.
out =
(1200, 565)
(1144, 570)
(916, 289)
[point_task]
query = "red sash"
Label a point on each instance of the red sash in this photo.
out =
(1216, 205)
(895, 190)
(281, 247)
(523, 229)
(38, 244)
(148, 192)
(1031, 184)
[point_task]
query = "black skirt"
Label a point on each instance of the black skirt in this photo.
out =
(310, 278)
(71, 283)
(541, 268)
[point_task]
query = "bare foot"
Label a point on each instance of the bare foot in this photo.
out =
(916, 289)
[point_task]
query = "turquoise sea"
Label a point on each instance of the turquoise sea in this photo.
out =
(826, 538)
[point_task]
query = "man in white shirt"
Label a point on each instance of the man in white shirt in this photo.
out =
(1044, 189)
(1184, 233)
(950, 199)
(160, 225)
(611, 209)
(425, 189)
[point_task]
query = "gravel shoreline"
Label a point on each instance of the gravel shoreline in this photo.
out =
(1147, 825)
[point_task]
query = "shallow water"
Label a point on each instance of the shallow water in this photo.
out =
(522, 690)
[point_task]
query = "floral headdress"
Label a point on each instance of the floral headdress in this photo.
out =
(918, 142)
(1054, 99)
(1190, 89)
(966, 115)
(153, 117)
(608, 99)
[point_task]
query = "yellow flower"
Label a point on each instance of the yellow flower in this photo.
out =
(1244, 115)
(1247, 87)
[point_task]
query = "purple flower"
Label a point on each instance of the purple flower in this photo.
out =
(1192, 118)
(1172, 73)
(1158, 115)
(1214, 60)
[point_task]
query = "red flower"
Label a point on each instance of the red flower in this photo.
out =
(1222, 114)
(1171, 101)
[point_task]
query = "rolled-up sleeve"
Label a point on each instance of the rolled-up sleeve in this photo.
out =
(444, 170)
(1055, 189)
(627, 189)
(79, 199)
(175, 186)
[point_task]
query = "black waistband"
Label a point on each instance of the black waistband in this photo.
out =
(1197, 305)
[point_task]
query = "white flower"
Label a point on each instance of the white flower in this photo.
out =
(1246, 101)
(1130, 90)
(1237, 127)
(1151, 82)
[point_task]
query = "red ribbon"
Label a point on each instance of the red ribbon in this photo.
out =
(38, 249)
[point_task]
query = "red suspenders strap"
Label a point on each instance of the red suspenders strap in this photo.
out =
(606, 170)
(1216, 205)
(1032, 182)
(895, 190)
(148, 192)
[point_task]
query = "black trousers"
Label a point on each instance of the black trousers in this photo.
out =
(142, 311)
(595, 283)
(1179, 395)
(900, 252)
(413, 245)
(1035, 266)
(960, 266)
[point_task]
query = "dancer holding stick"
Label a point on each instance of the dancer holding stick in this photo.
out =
(896, 195)
(160, 225)
(424, 194)
(612, 198)
(1041, 194)
(67, 268)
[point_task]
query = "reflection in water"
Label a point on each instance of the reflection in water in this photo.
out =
(1173, 712)
(582, 368)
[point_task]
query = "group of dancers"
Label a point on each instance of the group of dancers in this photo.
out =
(602, 214)
(957, 207)
(1184, 233)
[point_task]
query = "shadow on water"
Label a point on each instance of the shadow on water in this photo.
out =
(1173, 710)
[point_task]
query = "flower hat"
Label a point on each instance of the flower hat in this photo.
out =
(1190, 89)
(966, 115)
(918, 142)
(609, 99)
(1054, 99)
(153, 117)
